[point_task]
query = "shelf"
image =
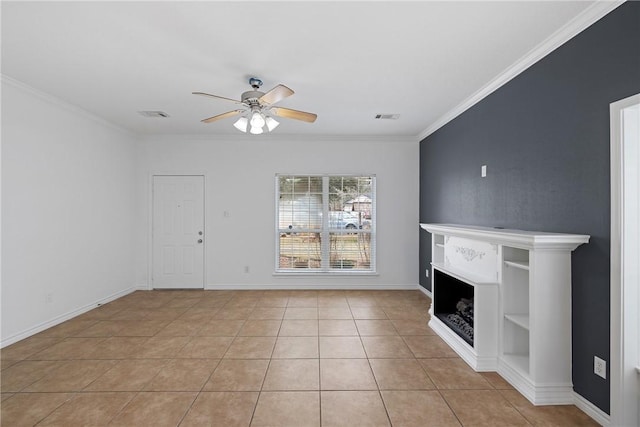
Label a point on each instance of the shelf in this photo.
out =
(522, 265)
(519, 362)
(521, 320)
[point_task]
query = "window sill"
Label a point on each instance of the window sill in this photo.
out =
(324, 273)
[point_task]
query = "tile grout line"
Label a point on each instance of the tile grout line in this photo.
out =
(204, 384)
(73, 394)
(319, 370)
(384, 404)
(512, 405)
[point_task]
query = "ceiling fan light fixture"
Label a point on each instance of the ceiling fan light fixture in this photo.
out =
(241, 124)
(256, 130)
(271, 123)
(257, 120)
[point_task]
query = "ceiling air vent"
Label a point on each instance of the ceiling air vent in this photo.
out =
(387, 116)
(153, 114)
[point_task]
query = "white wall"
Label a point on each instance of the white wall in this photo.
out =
(68, 211)
(239, 178)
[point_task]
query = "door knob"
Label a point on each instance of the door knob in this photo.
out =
(199, 240)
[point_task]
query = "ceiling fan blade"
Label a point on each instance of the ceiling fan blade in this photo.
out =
(276, 94)
(222, 116)
(294, 114)
(216, 96)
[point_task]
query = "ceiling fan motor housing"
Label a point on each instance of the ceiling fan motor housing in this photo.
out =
(251, 97)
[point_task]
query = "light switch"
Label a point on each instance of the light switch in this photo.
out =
(483, 171)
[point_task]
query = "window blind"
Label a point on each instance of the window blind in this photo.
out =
(325, 223)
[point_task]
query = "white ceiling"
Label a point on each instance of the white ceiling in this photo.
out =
(346, 61)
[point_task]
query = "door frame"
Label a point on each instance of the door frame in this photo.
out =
(149, 286)
(618, 328)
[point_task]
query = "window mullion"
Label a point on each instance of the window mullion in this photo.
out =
(325, 224)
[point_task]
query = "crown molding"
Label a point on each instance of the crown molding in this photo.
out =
(10, 81)
(584, 20)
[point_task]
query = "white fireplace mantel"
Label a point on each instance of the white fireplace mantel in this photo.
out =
(515, 238)
(522, 303)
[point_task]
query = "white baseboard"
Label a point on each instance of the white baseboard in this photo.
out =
(537, 394)
(592, 410)
(64, 317)
(297, 285)
(425, 291)
(310, 286)
(315, 286)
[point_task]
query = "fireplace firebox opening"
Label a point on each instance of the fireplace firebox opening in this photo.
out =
(453, 304)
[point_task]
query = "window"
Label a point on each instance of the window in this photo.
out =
(325, 224)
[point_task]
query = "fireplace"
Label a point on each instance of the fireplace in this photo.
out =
(508, 275)
(465, 305)
(453, 304)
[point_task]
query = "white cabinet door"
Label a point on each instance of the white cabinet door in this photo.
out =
(178, 232)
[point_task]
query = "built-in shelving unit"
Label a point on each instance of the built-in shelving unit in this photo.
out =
(522, 302)
(515, 308)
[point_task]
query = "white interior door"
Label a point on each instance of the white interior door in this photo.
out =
(178, 232)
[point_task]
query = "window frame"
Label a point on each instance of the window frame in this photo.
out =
(326, 232)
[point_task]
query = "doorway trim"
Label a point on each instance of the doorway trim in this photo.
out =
(617, 327)
(149, 286)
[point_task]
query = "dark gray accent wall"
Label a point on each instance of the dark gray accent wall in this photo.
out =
(544, 137)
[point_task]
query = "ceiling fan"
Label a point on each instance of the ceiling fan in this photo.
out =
(257, 108)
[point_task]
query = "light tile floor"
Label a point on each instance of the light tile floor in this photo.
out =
(256, 358)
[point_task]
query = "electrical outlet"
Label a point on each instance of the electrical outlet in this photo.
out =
(48, 298)
(246, 269)
(426, 273)
(483, 171)
(599, 367)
